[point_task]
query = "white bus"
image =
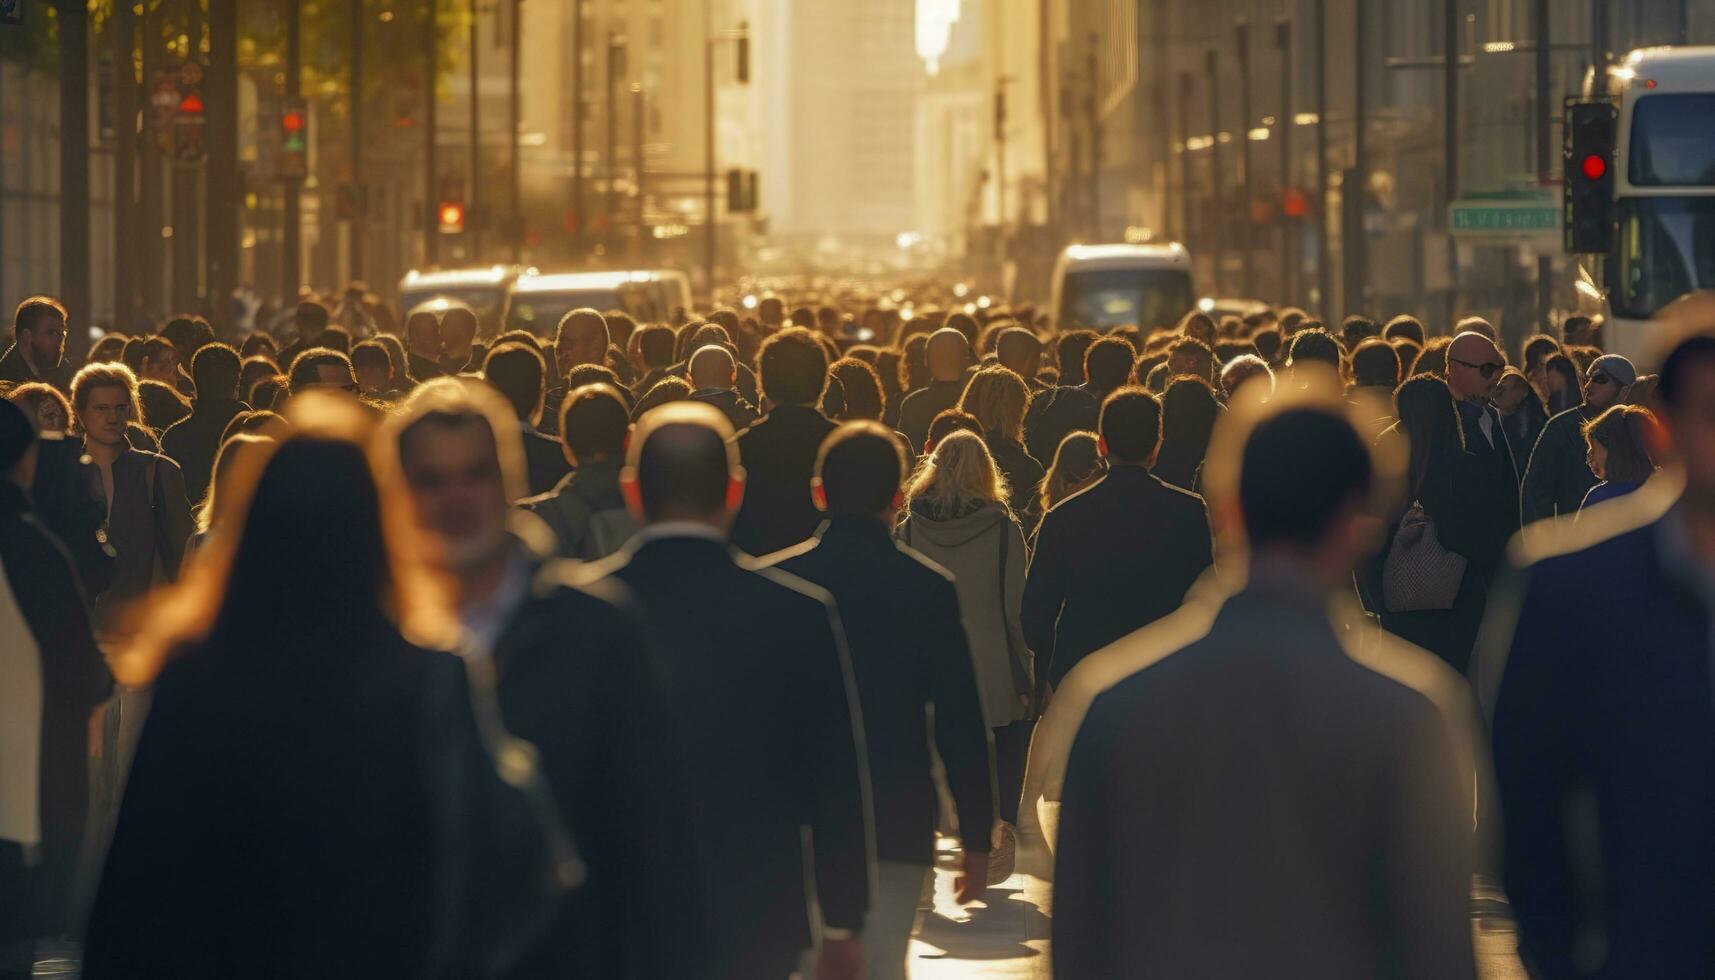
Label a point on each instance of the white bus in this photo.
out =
(1664, 191)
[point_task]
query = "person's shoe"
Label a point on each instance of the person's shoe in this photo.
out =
(1003, 857)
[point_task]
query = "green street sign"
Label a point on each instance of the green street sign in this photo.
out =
(1494, 217)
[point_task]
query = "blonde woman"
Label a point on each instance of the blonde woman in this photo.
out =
(956, 514)
(998, 398)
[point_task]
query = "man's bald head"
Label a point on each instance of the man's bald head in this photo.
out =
(458, 329)
(712, 366)
(1019, 351)
(682, 465)
(949, 353)
(581, 339)
(1474, 364)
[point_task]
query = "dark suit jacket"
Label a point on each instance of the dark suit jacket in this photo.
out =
(909, 651)
(544, 460)
(74, 681)
(1558, 476)
(738, 411)
(1604, 746)
(575, 681)
(759, 689)
(920, 407)
(194, 441)
(1109, 560)
(779, 457)
(1265, 782)
(1023, 474)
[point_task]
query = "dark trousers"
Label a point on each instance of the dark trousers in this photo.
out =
(1011, 749)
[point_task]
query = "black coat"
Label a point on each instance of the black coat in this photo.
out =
(1109, 560)
(574, 680)
(909, 651)
(738, 411)
(544, 461)
(1604, 748)
(921, 406)
(779, 457)
(14, 369)
(148, 525)
(760, 692)
(1023, 478)
(295, 805)
(74, 681)
(1053, 415)
(1558, 476)
(194, 441)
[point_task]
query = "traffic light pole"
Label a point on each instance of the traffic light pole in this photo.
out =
(431, 206)
(1285, 123)
(1450, 140)
(711, 230)
(224, 195)
(291, 242)
(355, 258)
(1544, 151)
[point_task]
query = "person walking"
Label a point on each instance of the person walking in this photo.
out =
(1558, 476)
(949, 360)
(38, 343)
(1118, 556)
(1189, 409)
(714, 379)
(911, 661)
(518, 373)
(52, 676)
(572, 678)
(193, 441)
(759, 693)
(1336, 842)
(1078, 465)
(956, 514)
(296, 744)
(586, 512)
(1601, 718)
(1066, 407)
(779, 450)
(997, 398)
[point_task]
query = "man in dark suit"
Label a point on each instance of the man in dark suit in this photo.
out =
(1273, 798)
(38, 343)
(714, 379)
(779, 450)
(1119, 555)
(761, 695)
(1603, 724)
(517, 372)
(573, 679)
(194, 441)
(949, 356)
(1489, 498)
(909, 652)
(1068, 406)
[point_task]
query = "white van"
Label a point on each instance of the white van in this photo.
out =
(1100, 287)
(538, 301)
(482, 289)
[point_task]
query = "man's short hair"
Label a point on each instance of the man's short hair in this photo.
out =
(951, 420)
(1268, 341)
(1069, 351)
(103, 375)
(459, 402)
(516, 371)
(682, 458)
(1404, 325)
(1356, 329)
(860, 465)
(32, 311)
(306, 367)
(1477, 324)
(1296, 471)
(214, 371)
(1108, 363)
(656, 344)
(371, 354)
(1688, 353)
(1375, 363)
(147, 348)
(592, 374)
(1315, 344)
(310, 315)
(793, 368)
(1130, 424)
(594, 422)
(1204, 354)
(860, 387)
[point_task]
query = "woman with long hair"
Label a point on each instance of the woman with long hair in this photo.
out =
(215, 513)
(956, 513)
(1622, 444)
(1078, 463)
(998, 398)
(312, 791)
(1562, 385)
(1189, 409)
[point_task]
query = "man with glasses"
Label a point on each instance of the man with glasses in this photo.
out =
(1558, 476)
(1488, 484)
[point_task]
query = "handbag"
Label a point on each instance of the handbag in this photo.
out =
(1420, 574)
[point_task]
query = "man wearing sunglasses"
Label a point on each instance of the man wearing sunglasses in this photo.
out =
(1558, 471)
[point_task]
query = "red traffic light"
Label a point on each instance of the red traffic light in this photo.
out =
(191, 104)
(292, 122)
(1595, 167)
(451, 215)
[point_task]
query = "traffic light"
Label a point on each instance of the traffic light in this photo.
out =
(293, 163)
(187, 127)
(449, 206)
(1591, 134)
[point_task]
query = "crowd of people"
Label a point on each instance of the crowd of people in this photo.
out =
(667, 649)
